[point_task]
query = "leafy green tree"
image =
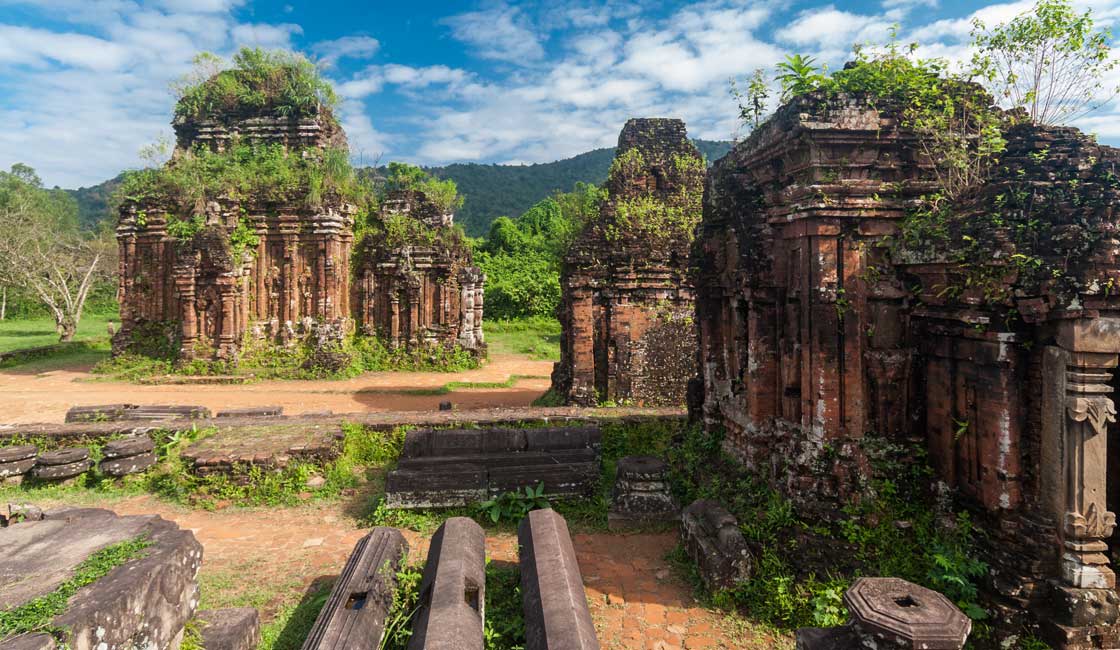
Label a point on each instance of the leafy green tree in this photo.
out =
(798, 75)
(1049, 60)
(403, 176)
(44, 253)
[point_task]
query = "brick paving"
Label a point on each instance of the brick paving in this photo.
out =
(636, 601)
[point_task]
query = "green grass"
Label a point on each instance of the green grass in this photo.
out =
(537, 338)
(37, 615)
(452, 386)
(25, 333)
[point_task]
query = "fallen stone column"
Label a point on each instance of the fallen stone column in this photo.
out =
(555, 605)
(129, 455)
(354, 615)
(99, 413)
(252, 412)
(713, 540)
(892, 614)
(453, 589)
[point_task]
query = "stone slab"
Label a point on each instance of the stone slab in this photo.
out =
(16, 468)
(65, 456)
(128, 446)
(15, 453)
(354, 615)
(99, 413)
(236, 628)
(127, 465)
(29, 642)
(252, 412)
(142, 603)
(61, 472)
(894, 611)
(557, 616)
(453, 589)
(713, 540)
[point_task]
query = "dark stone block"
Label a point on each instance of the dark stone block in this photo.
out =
(555, 605)
(16, 468)
(827, 638)
(354, 615)
(128, 446)
(554, 438)
(1085, 607)
(17, 453)
(712, 538)
(237, 628)
(435, 489)
(446, 406)
(157, 412)
(127, 465)
(252, 412)
(452, 590)
(504, 440)
(456, 442)
(558, 479)
(100, 413)
(641, 494)
(417, 443)
(64, 456)
(61, 472)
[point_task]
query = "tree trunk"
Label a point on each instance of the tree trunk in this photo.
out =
(3, 302)
(66, 330)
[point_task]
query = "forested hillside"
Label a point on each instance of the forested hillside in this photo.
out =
(491, 191)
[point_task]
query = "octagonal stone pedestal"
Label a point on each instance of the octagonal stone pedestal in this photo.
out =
(891, 613)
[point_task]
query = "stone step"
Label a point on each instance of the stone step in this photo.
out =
(354, 615)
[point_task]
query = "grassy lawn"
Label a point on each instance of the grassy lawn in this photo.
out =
(36, 332)
(538, 338)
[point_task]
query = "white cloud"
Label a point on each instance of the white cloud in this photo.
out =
(347, 47)
(502, 33)
(265, 36)
(831, 28)
(38, 47)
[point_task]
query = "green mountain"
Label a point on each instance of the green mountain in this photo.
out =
(491, 191)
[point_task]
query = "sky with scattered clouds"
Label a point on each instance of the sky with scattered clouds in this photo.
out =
(85, 84)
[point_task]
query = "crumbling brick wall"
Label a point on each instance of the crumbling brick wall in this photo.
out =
(421, 292)
(198, 296)
(627, 333)
(993, 344)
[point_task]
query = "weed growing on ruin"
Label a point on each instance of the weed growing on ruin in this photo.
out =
(514, 506)
(292, 623)
(37, 615)
(504, 628)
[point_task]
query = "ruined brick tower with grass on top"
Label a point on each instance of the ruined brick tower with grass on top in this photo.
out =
(626, 307)
(207, 262)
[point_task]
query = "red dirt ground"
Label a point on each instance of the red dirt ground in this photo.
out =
(45, 397)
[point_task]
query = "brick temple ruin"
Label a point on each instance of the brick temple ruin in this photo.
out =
(206, 299)
(818, 333)
(422, 293)
(626, 307)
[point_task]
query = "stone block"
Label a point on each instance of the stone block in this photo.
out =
(1076, 607)
(143, 603)
(236, 628)
(641, 494)
(100, 413)
(252, 412)
(827, 638)
(435, 489)
(712, 538)
(453, 589)
(354, 615)
(446, 406)
(159, 412)
(127, 465)
(29, 642)
(557, 616)
(559, 479)
(128, 446)
(556, 438)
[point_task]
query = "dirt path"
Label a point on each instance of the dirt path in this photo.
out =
(45, 397)
(636, 600)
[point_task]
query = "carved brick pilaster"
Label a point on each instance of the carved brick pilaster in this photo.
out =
(1087, 521)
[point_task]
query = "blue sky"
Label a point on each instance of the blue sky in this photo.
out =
(84, 84)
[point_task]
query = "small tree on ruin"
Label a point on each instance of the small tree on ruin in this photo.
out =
(1049, 61)
(44, 253)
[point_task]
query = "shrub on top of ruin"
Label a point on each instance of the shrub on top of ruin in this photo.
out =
(442, 192)
(284, 83)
